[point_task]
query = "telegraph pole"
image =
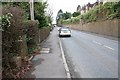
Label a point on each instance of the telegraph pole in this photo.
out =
(32, 9)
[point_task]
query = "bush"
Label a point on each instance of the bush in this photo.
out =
(75, 14)
(113, 10)
(73, 20)
(91, 15)
(68, 21)
(12, 30)
(40, 13)
(32, 35)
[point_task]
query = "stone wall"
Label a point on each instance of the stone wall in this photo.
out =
(107, 27)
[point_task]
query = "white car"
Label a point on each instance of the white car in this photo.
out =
(64, 32)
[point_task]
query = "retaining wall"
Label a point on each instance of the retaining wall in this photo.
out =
(107, 27)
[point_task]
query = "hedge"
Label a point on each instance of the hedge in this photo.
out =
(73, 20)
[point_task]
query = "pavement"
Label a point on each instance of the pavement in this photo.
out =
(48, 64)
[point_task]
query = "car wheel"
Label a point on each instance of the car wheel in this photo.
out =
(59, 35)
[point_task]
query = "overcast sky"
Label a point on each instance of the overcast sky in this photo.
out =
(66, 5)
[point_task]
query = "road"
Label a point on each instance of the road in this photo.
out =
(91, 56)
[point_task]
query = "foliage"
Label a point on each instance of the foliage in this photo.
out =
(49, 17)
(32, 35)
(14, 26)
(75, 14)
(59, 16)
(49, 21)
(40, 14)
(113, 9)
(68, 21)
(12, 30)
(23, 5)
(39, 9)
(66, 15)
(90, 16)
(5, 20)
(73, 20)
(62, 16)
(110, 10)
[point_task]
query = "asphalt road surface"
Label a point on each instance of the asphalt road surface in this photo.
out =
(91, 56)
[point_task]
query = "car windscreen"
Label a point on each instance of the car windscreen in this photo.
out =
(65, 30)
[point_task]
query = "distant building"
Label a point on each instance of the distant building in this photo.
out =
(78, 8)
(89, 6)
(86, 8)
(83, 10)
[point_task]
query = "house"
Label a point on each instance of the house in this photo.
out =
(86, 8)
(78, 8)
(89, 6)
(83, 9)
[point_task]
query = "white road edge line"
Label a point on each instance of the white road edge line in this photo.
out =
(64, 61)
(108, 47)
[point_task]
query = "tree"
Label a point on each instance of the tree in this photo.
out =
(39, 8)
(59, 16)
(67, 15)
(23, 5)
(49, 16)
(75, 14)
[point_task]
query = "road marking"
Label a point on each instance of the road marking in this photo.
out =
(45, 50)
(97, 42)
(103, 45)
(108, 47)
(64, 61)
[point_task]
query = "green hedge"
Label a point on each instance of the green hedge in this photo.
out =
(14, 27)
(12, 32)
(73, 20)
(32, 35)
(113, 10)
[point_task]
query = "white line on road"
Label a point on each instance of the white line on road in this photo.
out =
(64, 61)
(96, 42)
(103, 45)
(108, 47)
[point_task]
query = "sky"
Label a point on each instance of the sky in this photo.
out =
(66, 5)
